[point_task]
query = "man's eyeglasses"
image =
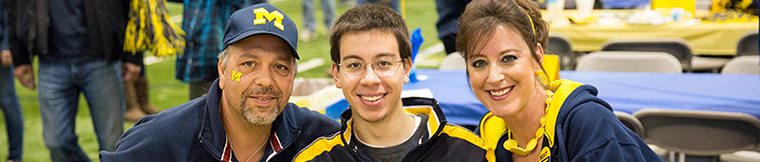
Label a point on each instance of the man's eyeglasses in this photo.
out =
(382, 66)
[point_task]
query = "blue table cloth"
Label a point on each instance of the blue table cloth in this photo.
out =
(624, 91)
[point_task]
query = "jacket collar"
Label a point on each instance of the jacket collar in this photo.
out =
(412, 105)
(214, 139)
(212, 135)
(286, 128)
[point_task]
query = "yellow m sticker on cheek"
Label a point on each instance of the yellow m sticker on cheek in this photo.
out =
(236, 76)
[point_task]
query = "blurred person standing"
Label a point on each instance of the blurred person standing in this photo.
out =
(203, 21)
(449, 12)
(328, 8)
(79, 45)
(14, 117)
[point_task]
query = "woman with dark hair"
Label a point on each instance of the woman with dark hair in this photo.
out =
(529, 121)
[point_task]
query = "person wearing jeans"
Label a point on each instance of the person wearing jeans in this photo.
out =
(79, 46)
(14, 118)
(328, 8)
(60, 83)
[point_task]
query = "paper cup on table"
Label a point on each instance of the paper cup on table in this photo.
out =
(584, 7)
(555, 8)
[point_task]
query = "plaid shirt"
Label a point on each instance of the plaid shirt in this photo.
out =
(203, 20)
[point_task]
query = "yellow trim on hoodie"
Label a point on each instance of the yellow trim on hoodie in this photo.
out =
(562, 89)
(451, 130)
(493, 127)
(432, 123)
(323, 144)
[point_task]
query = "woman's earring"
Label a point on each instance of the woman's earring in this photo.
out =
(538, 72)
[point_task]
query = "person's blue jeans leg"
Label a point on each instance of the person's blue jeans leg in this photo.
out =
(328, 7)
(59, 87)
(14, 118)
(394, 4)
(103, 88)
(307, 7)
(58, 98)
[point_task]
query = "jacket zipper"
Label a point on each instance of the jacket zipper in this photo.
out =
(418, 147)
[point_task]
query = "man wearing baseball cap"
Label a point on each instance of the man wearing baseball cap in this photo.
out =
(246, 115)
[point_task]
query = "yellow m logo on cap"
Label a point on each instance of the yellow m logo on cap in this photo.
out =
(263, 16)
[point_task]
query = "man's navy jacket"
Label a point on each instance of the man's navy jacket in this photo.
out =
(194, 132)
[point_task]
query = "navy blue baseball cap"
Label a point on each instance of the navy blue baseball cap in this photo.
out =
(257, 19)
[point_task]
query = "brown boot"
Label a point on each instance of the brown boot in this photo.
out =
(133, 112)
(141, 87)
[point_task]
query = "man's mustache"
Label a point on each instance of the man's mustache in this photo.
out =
(263, 91)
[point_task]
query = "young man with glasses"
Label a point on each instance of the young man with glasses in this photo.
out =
(371, 56)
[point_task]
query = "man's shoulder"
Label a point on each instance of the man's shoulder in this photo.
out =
(173, 131)
(324, 148)
(461, 133)
(452, 138)
(187, 114)
(309, 119)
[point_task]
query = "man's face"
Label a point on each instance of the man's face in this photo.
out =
(371, 74)
(257, 79)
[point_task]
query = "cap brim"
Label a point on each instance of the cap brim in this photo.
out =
(257, 32)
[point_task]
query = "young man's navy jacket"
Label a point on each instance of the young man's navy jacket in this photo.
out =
(579, 127)
(444, 142)
(194, 132)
